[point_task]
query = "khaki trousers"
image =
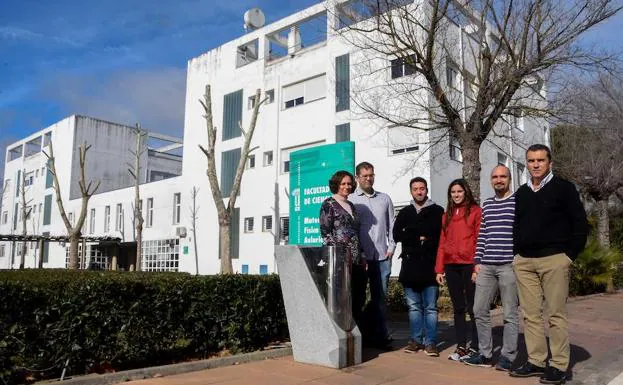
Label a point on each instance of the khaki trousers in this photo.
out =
(543, 286)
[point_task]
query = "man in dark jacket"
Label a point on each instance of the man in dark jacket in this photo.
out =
(417, 227)
(549, 231)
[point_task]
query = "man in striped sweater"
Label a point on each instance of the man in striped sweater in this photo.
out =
(494, 256)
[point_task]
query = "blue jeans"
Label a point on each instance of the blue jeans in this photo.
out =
(378, 274)
(422, 306)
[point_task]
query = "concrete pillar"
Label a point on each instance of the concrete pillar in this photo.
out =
(113, 261)
(40, 265)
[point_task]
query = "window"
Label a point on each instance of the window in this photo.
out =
(267, 223)
(177, 208)
(248, 225)
(342, 83)
(305, 91)
(245, 269)
(251, 161)
(92, 222)
(247, 53)
(150, 212)
(161, 255)
(452, 76)
(402, 140)
(49, 178)
(70, 218)
(40, 205)
(28, 179)
(502, 159)
(33, 209)
(106, 219)
(285, 229)
(251, 102)
(229, 164)
(232, 115)
(455, 149)
(119, 221)
(37, 173)
(270, 96)
(47, 209)
(268, 158)
(521, 174)
(5, 217)
(263, 269)
(342, 132)
(1, 251)
(403, 66)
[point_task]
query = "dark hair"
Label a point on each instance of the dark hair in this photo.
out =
(469, 201)
(365, 165)
(336, 180)
(418, 179)
(540, 147)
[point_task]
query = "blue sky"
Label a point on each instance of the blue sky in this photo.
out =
(123, 60)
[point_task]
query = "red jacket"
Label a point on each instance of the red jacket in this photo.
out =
(457, 244)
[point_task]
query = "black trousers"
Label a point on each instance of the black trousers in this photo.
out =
(462, 290)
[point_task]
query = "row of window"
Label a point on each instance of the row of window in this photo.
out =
(263, 269)
(119, 215)
(267, 223)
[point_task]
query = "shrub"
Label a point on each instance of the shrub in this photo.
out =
(593, 268)
(396, 299)
(97, 321)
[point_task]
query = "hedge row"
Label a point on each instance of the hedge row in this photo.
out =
(99, 321)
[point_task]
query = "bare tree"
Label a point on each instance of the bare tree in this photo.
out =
(135, 172)
(225, 212)
(587, 150)
(86, 189)
(25, 211)
(479, 62)
(194, 215)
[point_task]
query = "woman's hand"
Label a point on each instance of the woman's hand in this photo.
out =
(441, 279)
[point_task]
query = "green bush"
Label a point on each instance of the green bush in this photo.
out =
(396, 299)
(99, 321)
(593, 268)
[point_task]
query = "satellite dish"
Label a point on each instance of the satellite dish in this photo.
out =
(254, 19)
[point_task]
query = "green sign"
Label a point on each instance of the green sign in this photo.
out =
(185, 250)
(310, 170)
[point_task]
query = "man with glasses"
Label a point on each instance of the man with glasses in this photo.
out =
(376, 212)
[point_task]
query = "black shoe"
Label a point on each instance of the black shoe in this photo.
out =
(553, 376)
(528, 370)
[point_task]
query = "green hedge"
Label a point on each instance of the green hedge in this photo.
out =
(113, 321)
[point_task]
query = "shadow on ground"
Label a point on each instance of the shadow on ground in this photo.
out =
(399, 329)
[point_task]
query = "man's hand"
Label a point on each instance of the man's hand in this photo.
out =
(475, 273)
(441, 279)
(389, 254)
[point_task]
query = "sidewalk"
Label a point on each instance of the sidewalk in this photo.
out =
(596, 328)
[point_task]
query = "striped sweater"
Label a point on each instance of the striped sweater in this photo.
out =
(495, 239)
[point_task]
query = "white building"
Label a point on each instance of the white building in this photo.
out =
(110, 210)
(307, 77)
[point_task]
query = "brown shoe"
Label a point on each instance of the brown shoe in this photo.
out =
(431, 350)
(413, 347)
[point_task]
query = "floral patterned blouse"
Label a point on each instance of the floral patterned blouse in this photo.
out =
(338, 227)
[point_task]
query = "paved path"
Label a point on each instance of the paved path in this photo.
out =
(596, 328)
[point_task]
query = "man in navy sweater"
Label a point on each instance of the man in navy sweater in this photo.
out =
(550, 230)
(494, 255)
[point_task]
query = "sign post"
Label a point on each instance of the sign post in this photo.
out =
(310, 171)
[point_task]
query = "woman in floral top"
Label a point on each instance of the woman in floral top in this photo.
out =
(339, 223)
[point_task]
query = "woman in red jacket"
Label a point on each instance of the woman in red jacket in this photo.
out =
(455, 261)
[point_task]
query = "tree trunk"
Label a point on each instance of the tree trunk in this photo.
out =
(603, 234)
(603, 223)
(74, 240)
(225, 248)
(472, 167)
